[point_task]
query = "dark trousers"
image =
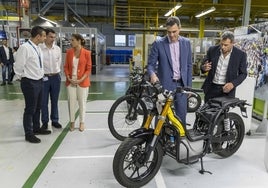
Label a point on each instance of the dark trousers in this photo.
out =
(216, 90)
(180, 103)
(7, 68)
(52, 90)
(32, 91)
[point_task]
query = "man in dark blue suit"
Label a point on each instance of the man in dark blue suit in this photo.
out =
(6, 61)
(226, 66)
(170, 62)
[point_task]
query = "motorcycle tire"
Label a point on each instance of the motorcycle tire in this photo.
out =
(128, 166)
(227, 148)
(125, 115)
(193, 103)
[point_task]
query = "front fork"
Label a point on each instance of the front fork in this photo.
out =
(158, 127)
(132, 111)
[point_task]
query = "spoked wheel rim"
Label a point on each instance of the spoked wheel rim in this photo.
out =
(131, 166)
(135, 167)
(227, 148)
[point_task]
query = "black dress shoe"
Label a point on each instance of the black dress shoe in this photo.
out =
(10, 83)
(32, 139)
(42, 132)
(44, 126)
(3, 84)
(56, 125)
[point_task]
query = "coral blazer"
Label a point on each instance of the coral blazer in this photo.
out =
(84, 66)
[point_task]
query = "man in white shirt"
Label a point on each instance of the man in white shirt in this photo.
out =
(29, 68)
(226, 66)
(52, 79)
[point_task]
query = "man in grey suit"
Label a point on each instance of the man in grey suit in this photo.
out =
(226, 66)
(170, 62)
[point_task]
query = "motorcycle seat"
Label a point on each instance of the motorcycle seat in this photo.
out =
(225, 101)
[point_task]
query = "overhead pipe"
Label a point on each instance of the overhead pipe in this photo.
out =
(76, 19)
(47, 7)
(77, 15)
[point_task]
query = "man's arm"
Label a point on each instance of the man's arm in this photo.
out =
(152, 63)
(242, 70)
(20, 61)
(189, 66)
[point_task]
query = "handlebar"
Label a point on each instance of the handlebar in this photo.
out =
(186, 90)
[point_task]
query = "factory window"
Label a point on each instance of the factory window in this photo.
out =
(120, 40)
(131, 40)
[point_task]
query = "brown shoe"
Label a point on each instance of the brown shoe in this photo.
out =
(82, 127)
(72, 126)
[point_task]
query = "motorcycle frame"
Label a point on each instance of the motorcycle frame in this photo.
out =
(167, 112)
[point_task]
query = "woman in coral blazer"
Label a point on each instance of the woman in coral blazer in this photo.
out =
(77, 69)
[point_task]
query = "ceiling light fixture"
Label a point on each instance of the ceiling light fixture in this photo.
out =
(178, 5)
(211, 9)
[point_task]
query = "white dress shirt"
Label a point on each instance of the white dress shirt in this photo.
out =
(29, 61)
(51, 58)
(220, 75)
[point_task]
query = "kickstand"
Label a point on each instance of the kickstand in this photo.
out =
(202, 171)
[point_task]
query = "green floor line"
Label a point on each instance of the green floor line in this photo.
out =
(43, 163)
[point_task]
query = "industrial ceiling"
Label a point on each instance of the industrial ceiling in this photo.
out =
(130, 14)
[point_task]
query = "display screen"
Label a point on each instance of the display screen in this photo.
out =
(3, 34)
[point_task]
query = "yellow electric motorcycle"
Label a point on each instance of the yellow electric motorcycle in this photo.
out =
(216, 129)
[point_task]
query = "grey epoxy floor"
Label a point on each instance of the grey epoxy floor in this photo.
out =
(75, 159)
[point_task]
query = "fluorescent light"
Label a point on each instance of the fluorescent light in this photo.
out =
(211, 9)
(173, 9)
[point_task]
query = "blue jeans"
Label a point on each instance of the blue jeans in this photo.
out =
(51, 90)
(32, 91)
(6, 69)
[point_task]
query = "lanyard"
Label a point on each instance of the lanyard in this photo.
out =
(37, 54)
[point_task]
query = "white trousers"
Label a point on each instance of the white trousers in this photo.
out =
(77, 94)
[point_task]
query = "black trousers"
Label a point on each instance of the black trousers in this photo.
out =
(215, 90)
(32, 91)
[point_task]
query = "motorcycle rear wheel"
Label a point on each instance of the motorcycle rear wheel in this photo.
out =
(227, 148)
(129, 167)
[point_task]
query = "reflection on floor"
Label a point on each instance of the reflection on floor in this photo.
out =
(84, 159)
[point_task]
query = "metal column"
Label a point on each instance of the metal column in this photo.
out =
(246, 12)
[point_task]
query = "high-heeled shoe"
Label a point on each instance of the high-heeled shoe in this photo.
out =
(82, 127)
(72, 126)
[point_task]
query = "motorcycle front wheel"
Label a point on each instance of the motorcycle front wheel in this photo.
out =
(126, 114)
(228, 148)
(129, 165)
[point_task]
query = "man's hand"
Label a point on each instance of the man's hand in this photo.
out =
(154, 78)
(228, 87)
(206, 66)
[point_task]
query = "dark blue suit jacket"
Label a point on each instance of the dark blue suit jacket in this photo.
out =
(3, 56)
(160, 62)
(236, 71)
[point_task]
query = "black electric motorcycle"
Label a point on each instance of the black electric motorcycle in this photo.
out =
(215, 130)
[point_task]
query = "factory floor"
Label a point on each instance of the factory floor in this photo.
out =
(84, 159)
